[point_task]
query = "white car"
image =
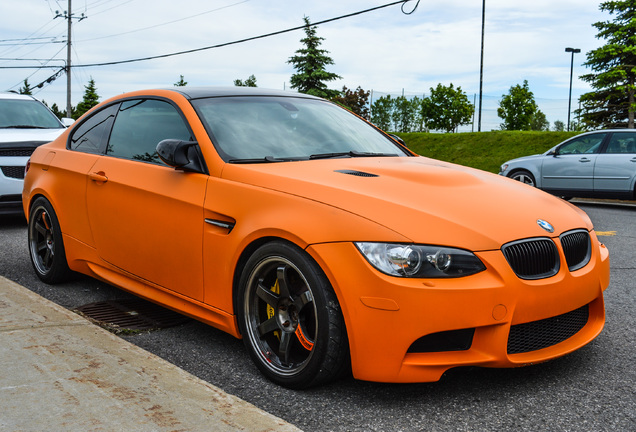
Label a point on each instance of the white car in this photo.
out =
(25, 123)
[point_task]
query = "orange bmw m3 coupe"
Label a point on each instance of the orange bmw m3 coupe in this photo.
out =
(327, 246)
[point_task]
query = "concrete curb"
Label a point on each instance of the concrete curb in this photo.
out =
(60, 372)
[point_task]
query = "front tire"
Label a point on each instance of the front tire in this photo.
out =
(524, 177)
(290, 318)
(46, 246)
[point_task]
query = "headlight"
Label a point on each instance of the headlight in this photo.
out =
(420, 261)
(503, 168)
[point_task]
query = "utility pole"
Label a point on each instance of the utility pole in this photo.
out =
(68, 15)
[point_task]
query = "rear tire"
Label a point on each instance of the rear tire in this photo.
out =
(290, 318)
(46, 246)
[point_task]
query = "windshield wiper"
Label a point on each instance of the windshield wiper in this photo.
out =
(266, 159)
(23, 127)
(351, 153)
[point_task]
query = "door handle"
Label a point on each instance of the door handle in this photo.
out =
(584, 159)
(99, 177)
(633, 159)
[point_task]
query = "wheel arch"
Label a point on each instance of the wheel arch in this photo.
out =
(29, 205)
(249, 250)
(533, 172)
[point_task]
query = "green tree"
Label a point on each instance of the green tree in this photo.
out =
(355, 100)
(446, 108)
(517, 108)
(404, 113)
(310, 62)
(559, 126)
(26, 89)
(539, 122)
(249, 82)
(382, 112)
(613, 76)
(91, 98)
(181, 82)
(56, 110)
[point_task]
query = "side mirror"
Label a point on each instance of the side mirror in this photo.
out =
(67, 121)
(182, 155)
(398, 139)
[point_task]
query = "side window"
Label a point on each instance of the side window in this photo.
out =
(92, 134)
(622, 142)
(585, 144)
(139, 127)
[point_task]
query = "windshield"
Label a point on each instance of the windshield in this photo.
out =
(274, 129)
(26, 114)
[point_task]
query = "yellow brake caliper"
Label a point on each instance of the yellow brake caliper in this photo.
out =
(270, 310)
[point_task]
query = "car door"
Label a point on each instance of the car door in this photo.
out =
(616, 166)
(146, 217)
(571, 167)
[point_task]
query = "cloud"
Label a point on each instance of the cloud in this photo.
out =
(384, 50)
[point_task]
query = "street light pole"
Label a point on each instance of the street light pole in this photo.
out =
(481, 63)
(573, 51)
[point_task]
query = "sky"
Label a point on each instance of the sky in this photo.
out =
(384, 51)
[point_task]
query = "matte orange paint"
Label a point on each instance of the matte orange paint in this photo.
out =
(142, 227)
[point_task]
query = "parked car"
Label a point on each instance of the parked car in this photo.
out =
(325, 244)
(600, 164)
(25, 123)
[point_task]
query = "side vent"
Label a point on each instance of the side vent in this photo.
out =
(357, 173)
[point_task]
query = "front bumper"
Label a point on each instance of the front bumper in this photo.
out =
(11, 183)
(468, 319)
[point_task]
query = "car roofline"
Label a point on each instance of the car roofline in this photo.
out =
(206, 92)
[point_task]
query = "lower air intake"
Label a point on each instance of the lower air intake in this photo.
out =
(541, 334)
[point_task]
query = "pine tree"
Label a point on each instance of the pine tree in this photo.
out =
(613, 65)
(91, 98)
(26, 90)
(310, 62)
(181, 82)
(249, 82)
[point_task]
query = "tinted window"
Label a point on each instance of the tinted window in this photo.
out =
(139, 127)
(583, 144)
(287, 127)
(622, 142)
(16, 113)
(92, 134)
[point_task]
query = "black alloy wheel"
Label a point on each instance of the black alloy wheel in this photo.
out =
(290, 318)
(45, 243)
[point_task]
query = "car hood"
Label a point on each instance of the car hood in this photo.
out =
(525, 158)
(29, 135)
(425, 200)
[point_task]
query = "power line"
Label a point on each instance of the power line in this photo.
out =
(163, 24)
(263, 36)
(236, 42)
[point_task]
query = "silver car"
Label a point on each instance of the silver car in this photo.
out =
(599, 164)
(25, 123)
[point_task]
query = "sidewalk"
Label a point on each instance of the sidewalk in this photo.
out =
(60, 372)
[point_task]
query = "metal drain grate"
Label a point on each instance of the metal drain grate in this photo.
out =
(133, 314)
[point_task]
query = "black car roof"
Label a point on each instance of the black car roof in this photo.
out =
(205, 92)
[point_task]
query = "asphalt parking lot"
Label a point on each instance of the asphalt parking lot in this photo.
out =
(592, 389)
